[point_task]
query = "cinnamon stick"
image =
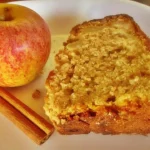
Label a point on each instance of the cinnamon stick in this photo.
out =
(32, 124)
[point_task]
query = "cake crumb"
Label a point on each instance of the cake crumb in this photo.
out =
(36, 94)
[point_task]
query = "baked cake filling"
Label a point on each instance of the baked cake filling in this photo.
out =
(103, 66)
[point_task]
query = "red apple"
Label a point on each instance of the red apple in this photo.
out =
(24, 45)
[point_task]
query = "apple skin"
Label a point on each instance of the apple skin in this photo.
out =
(24, 45)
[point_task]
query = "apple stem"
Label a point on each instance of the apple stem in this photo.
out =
(7, 15)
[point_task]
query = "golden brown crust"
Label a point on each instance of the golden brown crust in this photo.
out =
(98, 22)
(105, 22)
(131, 119)
(107, 119)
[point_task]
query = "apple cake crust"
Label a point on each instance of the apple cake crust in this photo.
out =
(131, 119)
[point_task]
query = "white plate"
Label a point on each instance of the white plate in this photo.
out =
(61, 16)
